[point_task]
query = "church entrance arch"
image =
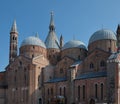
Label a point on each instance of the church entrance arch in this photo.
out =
(92, 101)
(40, 101)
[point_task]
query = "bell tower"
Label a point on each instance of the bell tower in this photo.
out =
(118, 37)
(13, 42)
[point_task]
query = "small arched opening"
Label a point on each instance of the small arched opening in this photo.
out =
(92, 101)
(40, 101)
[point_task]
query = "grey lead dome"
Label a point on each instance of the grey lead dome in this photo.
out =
(74, 44)
(33, 41)
(102, 34)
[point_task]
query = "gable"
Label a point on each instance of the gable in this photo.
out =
(95, 60)
(66, 60)
(40, 60)
(98, 53)
(18, 61)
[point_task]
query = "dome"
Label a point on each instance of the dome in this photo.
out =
(74, 44)
(32, 40)
(102, 34)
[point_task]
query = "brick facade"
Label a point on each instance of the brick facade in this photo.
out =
(72, 75)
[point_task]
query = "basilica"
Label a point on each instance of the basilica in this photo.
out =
(52, 72)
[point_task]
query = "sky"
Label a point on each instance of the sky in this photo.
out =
(74, 19)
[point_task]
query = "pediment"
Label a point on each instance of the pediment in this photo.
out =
(18, 61)
(40, 60)
(98, 53)
(67, 61)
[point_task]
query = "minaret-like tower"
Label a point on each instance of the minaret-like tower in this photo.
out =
(52, 43)
(13, 42)
(61, 42)
(118, 37)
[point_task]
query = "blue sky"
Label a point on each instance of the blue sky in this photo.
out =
(74, 19)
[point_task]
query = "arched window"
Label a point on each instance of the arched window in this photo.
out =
(20, 63)
(15, 79)
(64, 91)
(109, 49)
(39, 78)
(61, 70)
(79, 57)
(32, 55)
(25, 77)
(25, 69)
(78, 92)
(96, 90)
(102, 63)
(60, 90)
(49, 56)
(40, 101)
(83, 92)
(33, 47)
(51, 91)
(91, 65)
(13, 38)
(48, 91)
(101, 91)
(50, 77)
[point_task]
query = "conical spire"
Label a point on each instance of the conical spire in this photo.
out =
(52, 40)
(118, 37)
(118, 26)
(14, 27)
(61, 42)
(52, 26)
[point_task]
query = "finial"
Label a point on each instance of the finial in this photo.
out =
(102, 26)
(74, 37)
(37, 35)
(52, 13)
(51, 26)
(52, 21)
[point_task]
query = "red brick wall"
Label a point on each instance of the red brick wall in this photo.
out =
(90, 89)
(75, 53)
(31, 51)
(103, 44)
